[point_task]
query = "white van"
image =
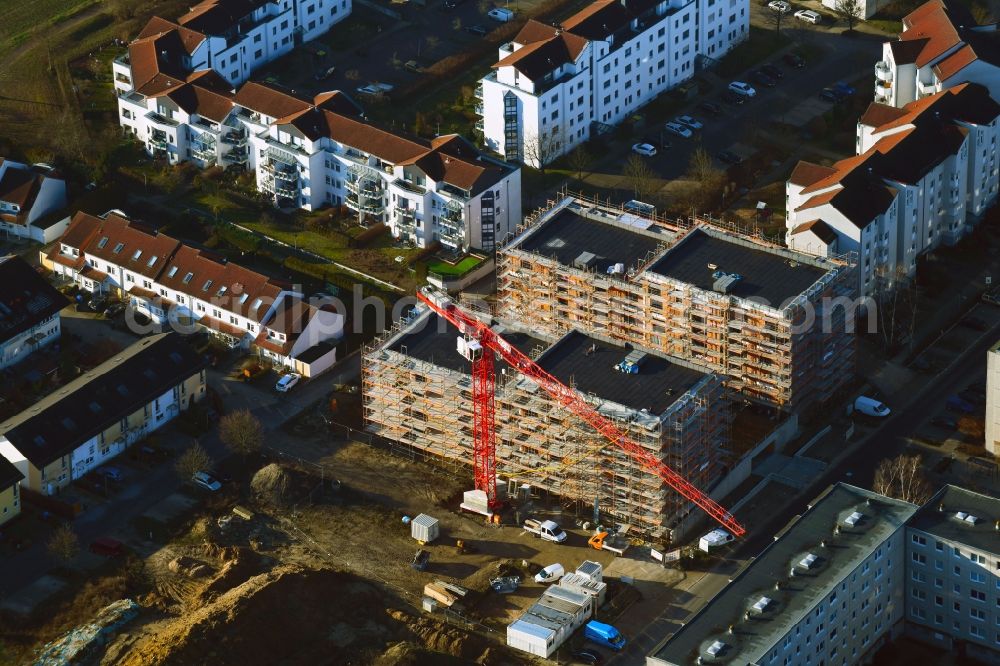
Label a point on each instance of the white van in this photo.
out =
(550, 574)
(871, 407)
(500, 14)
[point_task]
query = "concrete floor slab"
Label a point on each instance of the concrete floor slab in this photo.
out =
(170, 507)
(29, 597)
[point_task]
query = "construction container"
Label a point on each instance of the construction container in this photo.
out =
(550, 621)
(424, 528)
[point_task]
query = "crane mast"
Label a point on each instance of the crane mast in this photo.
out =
(479, 344)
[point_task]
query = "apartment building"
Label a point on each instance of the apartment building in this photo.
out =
(776, 323)
(231, 37)
(310, 153)
(100, 414)
(828, 590)
(923, 176)
(30, 199)
(953, 574)
(10, 491)
(29, 311)
(941, 46)
(552, 86)
(993, 399)
(417, 391)
(174, 284)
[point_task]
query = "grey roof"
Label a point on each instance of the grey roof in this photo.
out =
(26, 298)
(769, 275)
(798, 595)
(657, 385)
(101, 397)
(937, 517)
(567, 235)
(315, 352)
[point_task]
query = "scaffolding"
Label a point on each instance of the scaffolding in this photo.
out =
(429, 407)
(765, 352)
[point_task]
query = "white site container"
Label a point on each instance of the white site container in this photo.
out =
(424, 529)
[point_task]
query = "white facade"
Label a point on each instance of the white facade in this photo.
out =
(28, 194)
(923, 177)
(993, 400)
(550, 86)
(941, 46)
(16, 349)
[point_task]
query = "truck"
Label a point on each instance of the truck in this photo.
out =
(604, 634)
(545, 529)
(615, 543)
(714, 539)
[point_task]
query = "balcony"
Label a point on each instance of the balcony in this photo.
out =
(479, 109)
(925, 89)
(161, 120)
(369, 205)
(883, 73)
(479, 91)
(123, 59)
(409, 186)
(204, 152)
(158, 142)
(366, 187)
(480, 126)
(406, 219)
(235, 138)
(237, 156)
(281, 170)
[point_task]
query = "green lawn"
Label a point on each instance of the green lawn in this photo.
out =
(761, 44)
(447, 269)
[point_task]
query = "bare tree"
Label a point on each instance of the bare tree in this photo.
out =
(194, 459)
(540, 149)
(849, 10)
(706, 181)
(775, 18)
(903, 478)
(641, 178)
(241, 432)
(63, 545)
(579, 160)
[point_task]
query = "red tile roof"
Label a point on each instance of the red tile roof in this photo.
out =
(269, 101)
(808, 173)
(955, 62)
(821, 229)
(19, 186)
(879, 114)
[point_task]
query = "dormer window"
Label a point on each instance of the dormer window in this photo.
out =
(152, 260)
(222, 290)
(208, 283)
(102, 243)
(118, 248)
(256, 304)
(187, 278)
(243, 298)
(136, 255)
(173, 272)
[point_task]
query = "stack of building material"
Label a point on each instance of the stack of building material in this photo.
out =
(446, 594)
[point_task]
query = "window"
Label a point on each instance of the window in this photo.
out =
(978, 595)
(118, 248)
(208, 283)
(152, 260)
(172, 272)
(136, 255)
(187, 278)
(919, 540)
(977, 613)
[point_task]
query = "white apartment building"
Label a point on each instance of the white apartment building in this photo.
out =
(29, 198)
(941, 46)
(103, 412)
(828, 590)
(172, 283)
(993, 400)
(953, 574)
(322, 152)
(552, 86)
(29, 311)
(923, 176)
(231, 37)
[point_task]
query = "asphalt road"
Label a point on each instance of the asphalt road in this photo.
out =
(884, 442)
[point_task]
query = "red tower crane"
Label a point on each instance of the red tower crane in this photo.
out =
(479, 346)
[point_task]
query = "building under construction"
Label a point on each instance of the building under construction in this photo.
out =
(777, 324)
(417, 391)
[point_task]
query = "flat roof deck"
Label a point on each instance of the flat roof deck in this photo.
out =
(567, 235)
(752, 638)
(657, 385)
(767, 276)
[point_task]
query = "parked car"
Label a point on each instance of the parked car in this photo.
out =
(729, 97)
(871, 407)
(547, 530)
(206, 481)
(324, 74)
(794, 60)
(107, 547)
(644, 149)
(550, 574)
(975, 323)
(843, 89)
(500, 14)
(779, 6)
(945, 422)
(741, 88)
(98, 302)
(375, 89)
(959, 406)
(809, 16)
(589, 657)
(604, 634)
(710, 108)
(763, 79)
(828, 95)
(773, 71)
(658, 143)
(286, 382)
(729, 157)
(110, 473)
(115, 309)
(678, 130)
(689, 121)
(476, 30)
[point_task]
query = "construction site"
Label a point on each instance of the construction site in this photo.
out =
(417, 390)
(777, 324)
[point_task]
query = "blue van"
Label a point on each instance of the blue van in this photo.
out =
(604, 634)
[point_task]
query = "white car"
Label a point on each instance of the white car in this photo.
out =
(206, 481)
(809, 16)
(550, 574)
(375, 89)
(689, 121)
(779, 6)
(286, 382)
(644, 149)
(744, 89)
(679, 130)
